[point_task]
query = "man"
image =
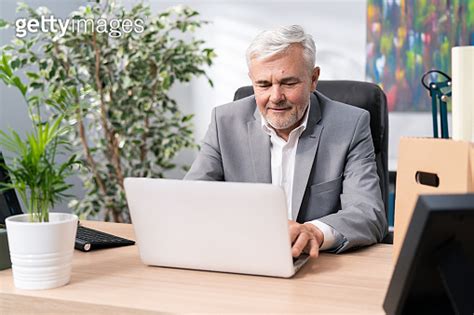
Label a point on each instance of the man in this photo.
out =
(320, 151)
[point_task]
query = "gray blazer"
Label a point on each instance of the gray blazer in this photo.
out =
(335, 179)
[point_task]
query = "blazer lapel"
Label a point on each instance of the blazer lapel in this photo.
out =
(305, 155)
(259, 143)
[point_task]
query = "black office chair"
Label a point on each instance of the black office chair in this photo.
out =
(370, 97)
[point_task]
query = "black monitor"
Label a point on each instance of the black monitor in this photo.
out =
(9, 204)
(434, 273)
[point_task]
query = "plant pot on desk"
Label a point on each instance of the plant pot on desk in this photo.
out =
(41, 252)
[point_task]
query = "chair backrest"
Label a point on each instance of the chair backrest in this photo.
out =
(365, 95)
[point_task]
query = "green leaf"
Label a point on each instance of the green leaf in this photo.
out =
(5, 68)
(3, 24)
(187, 118)
(36, 85)
(17, 82)
(32, 75)
(7, 47)
(15, 64)
(6, 79)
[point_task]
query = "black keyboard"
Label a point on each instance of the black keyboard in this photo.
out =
(88, 239)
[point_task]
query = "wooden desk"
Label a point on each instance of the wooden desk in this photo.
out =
(115, 281)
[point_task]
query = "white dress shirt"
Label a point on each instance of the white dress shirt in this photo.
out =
(283, 154)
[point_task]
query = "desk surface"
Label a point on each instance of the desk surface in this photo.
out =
(115, 281)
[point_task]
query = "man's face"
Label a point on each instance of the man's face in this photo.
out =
(282, 85)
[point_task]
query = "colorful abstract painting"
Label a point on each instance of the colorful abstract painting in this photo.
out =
(406, 38)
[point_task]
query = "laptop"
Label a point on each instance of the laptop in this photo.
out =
(215, 226)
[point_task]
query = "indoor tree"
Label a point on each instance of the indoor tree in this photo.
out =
(113, 90)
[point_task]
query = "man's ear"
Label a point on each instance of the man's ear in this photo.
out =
(315, 78)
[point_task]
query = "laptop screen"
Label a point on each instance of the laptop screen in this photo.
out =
(9, 204)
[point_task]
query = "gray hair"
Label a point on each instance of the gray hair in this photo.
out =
(272, 42)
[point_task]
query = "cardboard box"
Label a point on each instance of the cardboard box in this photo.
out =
(429, 166)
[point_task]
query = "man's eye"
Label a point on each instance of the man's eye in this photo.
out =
(264, 85)
(290, 83)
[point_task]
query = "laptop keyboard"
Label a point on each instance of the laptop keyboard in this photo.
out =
(89, 239)
(301, 257)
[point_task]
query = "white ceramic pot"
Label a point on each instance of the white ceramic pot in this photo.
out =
(41, 253)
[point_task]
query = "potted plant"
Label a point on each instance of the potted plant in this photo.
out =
(117, 92)
(41, 243)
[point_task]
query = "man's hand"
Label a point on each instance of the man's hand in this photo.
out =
(305, 237)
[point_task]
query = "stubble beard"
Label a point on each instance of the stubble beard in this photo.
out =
(285, 121)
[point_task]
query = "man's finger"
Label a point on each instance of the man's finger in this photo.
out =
(313, 247)
(300, 244)
(294, 232)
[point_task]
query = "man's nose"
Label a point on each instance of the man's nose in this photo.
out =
(277, 94)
